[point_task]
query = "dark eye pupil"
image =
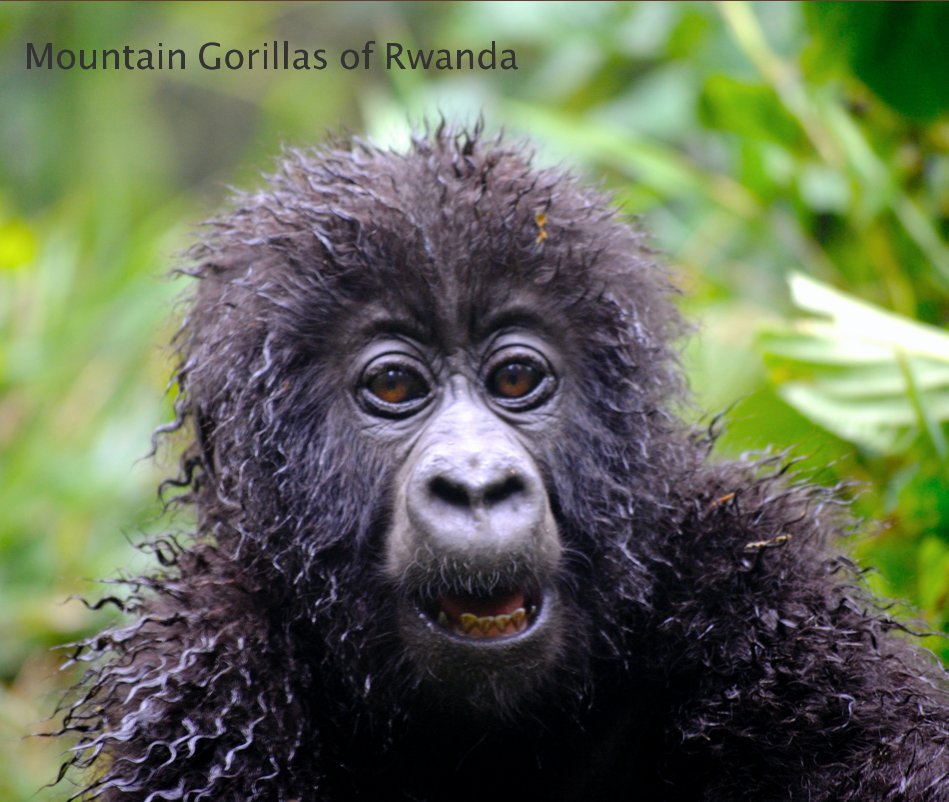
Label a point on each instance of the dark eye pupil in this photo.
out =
(514, 380)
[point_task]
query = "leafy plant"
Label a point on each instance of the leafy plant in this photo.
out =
(873, 378)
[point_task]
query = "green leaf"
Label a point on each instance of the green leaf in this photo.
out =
(870, 376)
(17, 244)
(897, 49)
(863, 322)
(750, 111)
(933, 568)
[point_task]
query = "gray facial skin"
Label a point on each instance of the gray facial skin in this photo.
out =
(472, 540)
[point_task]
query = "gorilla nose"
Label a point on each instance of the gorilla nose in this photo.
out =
(464, 492)
(490, 503)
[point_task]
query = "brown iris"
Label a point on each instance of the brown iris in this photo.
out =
(397, 385)
(514, 380)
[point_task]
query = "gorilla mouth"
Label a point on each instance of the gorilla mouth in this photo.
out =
(498, 615)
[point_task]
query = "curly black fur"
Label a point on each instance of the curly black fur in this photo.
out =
(714, 648)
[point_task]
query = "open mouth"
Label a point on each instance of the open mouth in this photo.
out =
(497, 615)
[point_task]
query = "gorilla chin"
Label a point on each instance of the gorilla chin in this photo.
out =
(476, 665)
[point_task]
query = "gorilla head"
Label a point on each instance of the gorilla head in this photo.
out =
(422, 382)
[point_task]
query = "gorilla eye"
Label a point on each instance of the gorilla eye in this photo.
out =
(394, 389)
(398, 385)
(514, 380)
(519, 377)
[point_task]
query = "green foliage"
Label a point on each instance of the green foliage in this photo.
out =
(871, 377)
(898, 50)
(881, 382)
(762, 143)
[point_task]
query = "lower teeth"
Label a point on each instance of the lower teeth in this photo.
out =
(487, 626)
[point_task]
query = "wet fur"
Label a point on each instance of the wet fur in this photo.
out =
(715, 647)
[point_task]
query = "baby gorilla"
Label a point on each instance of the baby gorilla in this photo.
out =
(452, 542)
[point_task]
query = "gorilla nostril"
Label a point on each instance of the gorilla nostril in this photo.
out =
(500, 491)
(450, 492)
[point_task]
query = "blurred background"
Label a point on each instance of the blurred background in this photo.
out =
(791, 161)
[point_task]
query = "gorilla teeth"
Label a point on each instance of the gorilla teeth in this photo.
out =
(487, 626)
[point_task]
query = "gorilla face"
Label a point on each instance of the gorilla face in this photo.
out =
(473, 546)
